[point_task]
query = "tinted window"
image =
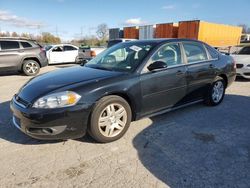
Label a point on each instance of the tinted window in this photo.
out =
(169, 54)
(69, 48)
(57, 49)
(245, 51)
(7, 45)
(213, 52)
(195, 52)
(26, 44)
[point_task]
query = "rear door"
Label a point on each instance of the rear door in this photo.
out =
(162, 89)
(200, 70)
(70, 53)
(10, 54)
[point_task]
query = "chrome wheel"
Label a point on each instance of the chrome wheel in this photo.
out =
(31, 67)
(218, 91)
(112, 120)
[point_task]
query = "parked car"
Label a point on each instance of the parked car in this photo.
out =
(23, 55)
(116, 41)
(62, 53)
(128, 81)
(87, 53)
(242, 59)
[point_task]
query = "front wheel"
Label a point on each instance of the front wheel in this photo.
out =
(216, 93)
(110, 119)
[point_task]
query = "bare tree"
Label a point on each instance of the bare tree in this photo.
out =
(14, 34)
(102, 31)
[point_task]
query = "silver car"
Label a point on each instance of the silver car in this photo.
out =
(22, 55)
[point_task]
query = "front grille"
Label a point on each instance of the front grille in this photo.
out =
(21, 101)
(239, 66)
(247, 74)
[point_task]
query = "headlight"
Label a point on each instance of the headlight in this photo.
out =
(57, 100)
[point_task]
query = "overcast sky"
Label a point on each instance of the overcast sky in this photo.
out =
(70, 18)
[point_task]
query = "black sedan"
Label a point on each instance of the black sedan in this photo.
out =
(126, 82)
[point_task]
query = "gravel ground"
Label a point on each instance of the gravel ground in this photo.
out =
(196, 146)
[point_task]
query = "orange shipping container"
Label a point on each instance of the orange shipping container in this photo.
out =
(166, 30)
(131, 32)
(217, 35)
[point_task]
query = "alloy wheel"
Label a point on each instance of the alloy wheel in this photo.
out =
(31, 67)
(218, 91)
(112, 120)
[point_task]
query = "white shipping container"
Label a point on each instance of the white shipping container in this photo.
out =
(146, 32)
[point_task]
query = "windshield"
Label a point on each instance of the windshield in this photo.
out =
(245, 51)
(123, 57)
(48, 48)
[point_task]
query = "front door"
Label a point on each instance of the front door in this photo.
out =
(56, 55)
(162, 89)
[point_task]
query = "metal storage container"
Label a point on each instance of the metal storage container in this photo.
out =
(131, 32)
(166, 30)
(217, 35)
(114, 33)
(146, 32)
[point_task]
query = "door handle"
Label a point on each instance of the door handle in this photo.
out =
(179, 72)
(20, 51)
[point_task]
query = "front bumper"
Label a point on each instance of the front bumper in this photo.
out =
(51, 124)
(244, 72)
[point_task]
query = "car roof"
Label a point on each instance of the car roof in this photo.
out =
(17, 38)
(165, 40)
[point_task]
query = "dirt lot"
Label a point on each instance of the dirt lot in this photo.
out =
(197, 146)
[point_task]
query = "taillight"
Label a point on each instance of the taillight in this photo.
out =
(92, 53)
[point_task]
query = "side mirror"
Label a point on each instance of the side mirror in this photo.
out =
(83, 62)
(157, 65)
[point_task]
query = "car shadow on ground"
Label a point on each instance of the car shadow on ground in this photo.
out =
(10, 133)
(11, 73)
(241, 79)
(199, 146)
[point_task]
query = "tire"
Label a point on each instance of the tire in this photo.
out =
(110, 119)
(30, 67)
(216, 92)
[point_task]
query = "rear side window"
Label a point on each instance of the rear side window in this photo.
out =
(245, 51)
(212, 52)
(195, 52)
(8, 45)
(69, 48)
(26, 44)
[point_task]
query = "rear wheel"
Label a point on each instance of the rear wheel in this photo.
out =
(31, 67)
(216, 93)
(110, 119)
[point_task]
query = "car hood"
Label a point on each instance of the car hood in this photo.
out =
(46, 83)
(243, 59)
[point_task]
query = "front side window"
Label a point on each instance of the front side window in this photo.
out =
(124, 57)
(169, 54)
(195, 52)
(69, 48)
(9, 45)
(57, 49)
